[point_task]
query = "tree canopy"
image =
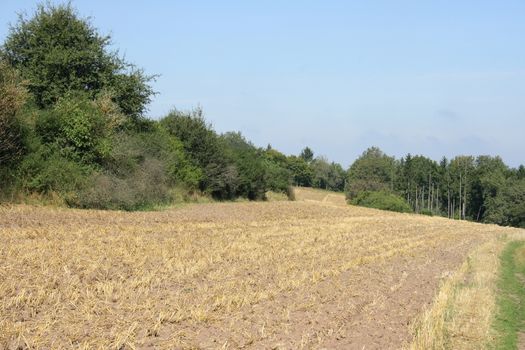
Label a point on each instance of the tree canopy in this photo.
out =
(58, 52)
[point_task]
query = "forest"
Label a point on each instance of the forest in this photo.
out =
(74, 130)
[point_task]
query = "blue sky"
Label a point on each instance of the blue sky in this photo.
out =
(426, 77)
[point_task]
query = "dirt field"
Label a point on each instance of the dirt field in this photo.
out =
(315, 273)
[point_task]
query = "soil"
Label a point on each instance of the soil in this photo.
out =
(369, 307)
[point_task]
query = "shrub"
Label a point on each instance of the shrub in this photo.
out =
(12, 97)
(382, 200)
(250, 179)
(426, 212)
(290, 193)
(278, 177)
(129, 150)
(145, 188)
(45, 171)
(79, 127)
(202, 145)
(372, 171)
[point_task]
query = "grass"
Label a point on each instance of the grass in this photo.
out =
(461, 314)
(480, 305)
(510, 317)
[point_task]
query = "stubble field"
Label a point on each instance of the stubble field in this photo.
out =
(315, 273)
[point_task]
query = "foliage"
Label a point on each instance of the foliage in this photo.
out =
(510, 317)
(248, 163)
(58, 52)
(302, 174)
(145, 187)
(12, 97)
(79, 127)
(372, 171)
(508, 206)
(328, 176)
(45, 170)
(278, 176)
(382, 200)
(307, 154)
(203, 148)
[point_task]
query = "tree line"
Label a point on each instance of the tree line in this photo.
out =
(73, 127)
(482, 188)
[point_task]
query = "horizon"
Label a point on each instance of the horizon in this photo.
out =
(435, 79)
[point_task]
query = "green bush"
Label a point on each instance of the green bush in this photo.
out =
(128, 150)
(426, 212)
(278, 177)
(12, 98)
(204, 150)
(78, 126)
(46, 171)
(247, 163)
(382, 200)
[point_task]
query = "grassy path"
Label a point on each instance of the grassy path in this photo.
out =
(510, 318)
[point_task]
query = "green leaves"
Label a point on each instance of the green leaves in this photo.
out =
(372, 171)
(59, 52)
(382, 200)
(78, 127)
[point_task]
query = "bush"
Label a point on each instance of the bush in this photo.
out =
(204, 150)
(145, 188)
(290, 193)
(129, 150)
(371, 172)
(382, 200)
(250, 179)
(278, 177)
(46, 171)
(12, 97)
(79, 127)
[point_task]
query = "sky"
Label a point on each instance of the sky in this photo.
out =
(438, 78)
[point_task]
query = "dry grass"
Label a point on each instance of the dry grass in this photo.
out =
(319, 195)
(275, 274)
(462, 313)
(276, 196)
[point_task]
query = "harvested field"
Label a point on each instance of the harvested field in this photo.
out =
(315, 273)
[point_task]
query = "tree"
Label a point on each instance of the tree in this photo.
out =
(301, 172)
(372, 171)
(508, 206)
(418, 180)
(307, 154)
(57, 52)
(278, 177)
(461, 170)
(203, 148)
(12, 97)
(336, 177)
(321, 172)
(79, 127)
(488, 182)
(520, 172)
(250, 179)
